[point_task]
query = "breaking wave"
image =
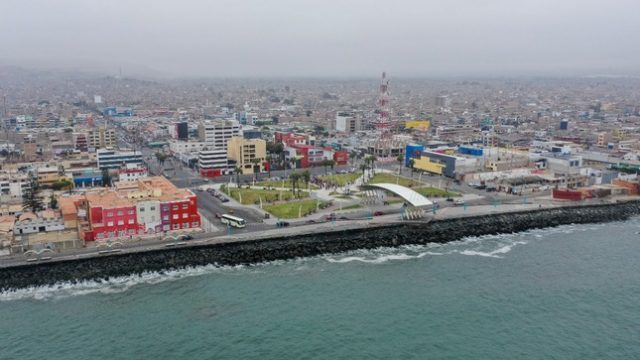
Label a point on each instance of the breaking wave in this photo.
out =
(490, 246)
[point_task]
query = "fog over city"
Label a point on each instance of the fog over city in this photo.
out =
(221, 38)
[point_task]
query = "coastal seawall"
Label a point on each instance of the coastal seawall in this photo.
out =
(287, 247)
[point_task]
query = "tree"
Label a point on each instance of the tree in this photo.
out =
(364, 168)
(294, 178)
(256, 167)
(306, 177)
(370, 160)
(238, 170)
(411, 163)
(399, 158)
(161, 157)
(31, 199)
(61, 184)
(325, 163)
(53, 202)
(106, 178)
(352, 155)
(331, 163)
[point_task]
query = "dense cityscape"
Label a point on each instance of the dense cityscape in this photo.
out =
(88, 161)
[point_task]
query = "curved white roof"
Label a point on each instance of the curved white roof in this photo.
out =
(411, 196)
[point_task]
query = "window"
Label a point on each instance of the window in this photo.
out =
(131, 212)
(132, 231)
(110, 223)
(120, 222)
(175, 207)
(120, 213)
(185, 225)
(100, 235)
(153, 208)
(175, 216)
(165, 208)
(185, 206)
(176, 226)
(131, 221)
(109, 214)
(185, 215)
(195, 224)
(141, 209)
(166, 217)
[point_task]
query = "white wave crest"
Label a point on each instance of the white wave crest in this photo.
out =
(111, 286)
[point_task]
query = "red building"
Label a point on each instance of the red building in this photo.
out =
(144, 206)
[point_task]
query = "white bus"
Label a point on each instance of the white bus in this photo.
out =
(233, 221)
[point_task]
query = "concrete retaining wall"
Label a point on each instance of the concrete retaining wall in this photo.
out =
(308, 245)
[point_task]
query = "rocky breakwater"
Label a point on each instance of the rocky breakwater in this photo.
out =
(256, 251)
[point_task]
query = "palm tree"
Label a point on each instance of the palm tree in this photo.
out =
(399, 158)
(294, 178)
(364, 168)
(256, 167)
(238, 170)
(31, 199)
(352, 156)
(325, 163)
(306, 177)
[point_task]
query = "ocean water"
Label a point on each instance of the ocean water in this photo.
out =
(571, 292)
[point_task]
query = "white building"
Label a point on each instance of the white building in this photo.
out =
(213, 162)
(215, 134)
(132, 172)
(12, 185)
(111, 159)
(186, 147)
(346, 122)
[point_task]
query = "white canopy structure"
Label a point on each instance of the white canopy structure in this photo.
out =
(410, 196)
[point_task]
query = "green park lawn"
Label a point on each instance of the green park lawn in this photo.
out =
(291, 210)
(432, 192)
(253, 196)
(287, 184)
(393, 179)
(352, 206)
(340, 179)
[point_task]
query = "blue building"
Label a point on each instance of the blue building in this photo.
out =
(412, 151)
(87, 178)
(468, 150)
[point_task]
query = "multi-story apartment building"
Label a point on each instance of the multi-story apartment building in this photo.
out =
(101, 138)
(213, 162)
(245, 152)
(215, 134)
(112, 159)
(146, 206)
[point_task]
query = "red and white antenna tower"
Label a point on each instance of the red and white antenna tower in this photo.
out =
(382, 123)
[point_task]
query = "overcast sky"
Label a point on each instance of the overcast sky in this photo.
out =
(326, 37)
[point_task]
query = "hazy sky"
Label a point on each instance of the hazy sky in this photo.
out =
(326, 37)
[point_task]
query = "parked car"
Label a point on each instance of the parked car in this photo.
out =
(282, 223)
(344, 218)
(331, 216)
(310, 221)
(458, 202)
(187, 237)
(449, 199)
(378, 213)
(218, 215)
